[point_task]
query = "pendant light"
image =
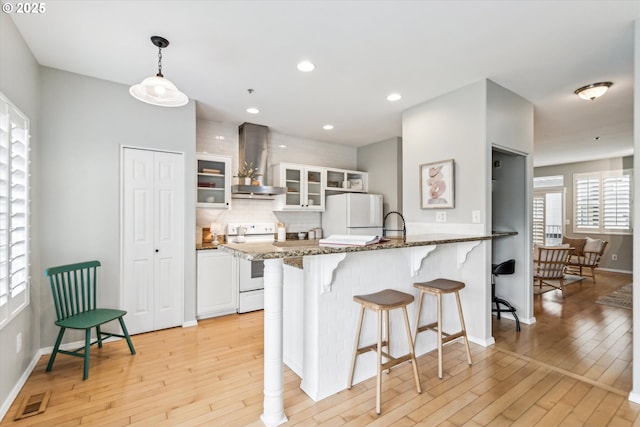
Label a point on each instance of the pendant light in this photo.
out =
(157, 90)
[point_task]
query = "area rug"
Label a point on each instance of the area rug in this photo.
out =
(568, 279)
(619, 298)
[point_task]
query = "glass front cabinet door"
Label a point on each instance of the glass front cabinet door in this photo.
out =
(305, 190)
(214, 181)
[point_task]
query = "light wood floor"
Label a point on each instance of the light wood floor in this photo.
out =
(572, 368)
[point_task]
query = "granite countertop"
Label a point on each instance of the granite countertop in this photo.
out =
(205, 246)
(299, 248)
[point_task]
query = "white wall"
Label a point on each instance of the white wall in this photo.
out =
(85, 122)
(635, 392)
(19, 82)
(222, 138)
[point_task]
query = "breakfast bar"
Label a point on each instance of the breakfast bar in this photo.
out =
(310, 317)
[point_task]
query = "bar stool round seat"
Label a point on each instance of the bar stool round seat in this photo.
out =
(437, 288)
(382, 302)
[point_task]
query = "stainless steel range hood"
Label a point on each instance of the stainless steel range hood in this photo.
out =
(253, 149)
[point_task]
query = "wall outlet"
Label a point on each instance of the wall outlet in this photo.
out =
(475, 217)
(614, 257)
(441, 216)
(18, 342)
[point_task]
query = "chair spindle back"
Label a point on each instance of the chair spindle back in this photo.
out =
(73, 287)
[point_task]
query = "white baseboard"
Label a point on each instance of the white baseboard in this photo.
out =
(482, 342)
(21, 382)
(525, 320)
(613, 270)
(25, 375)
(189, 323)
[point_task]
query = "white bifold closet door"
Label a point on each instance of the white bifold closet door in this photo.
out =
(153, 239)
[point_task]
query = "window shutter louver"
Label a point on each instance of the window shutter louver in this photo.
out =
(14, 211)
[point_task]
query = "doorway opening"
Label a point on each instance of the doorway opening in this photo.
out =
(548, 216)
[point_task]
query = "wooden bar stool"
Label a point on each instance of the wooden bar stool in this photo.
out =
(381, 302)
(438, 287)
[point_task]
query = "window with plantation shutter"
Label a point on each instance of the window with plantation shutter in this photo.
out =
(616, 193)
(538, 219)
(602, 202)
(14, 211)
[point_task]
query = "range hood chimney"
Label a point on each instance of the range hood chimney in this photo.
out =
(253, 149)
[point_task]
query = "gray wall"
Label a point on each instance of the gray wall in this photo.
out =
(510, 139)
(622, 245)
(452, 126)
(19, 82)
(85, 122)
(383, 161)
(635, 392)
(467, 125)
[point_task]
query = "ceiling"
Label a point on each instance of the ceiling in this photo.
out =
(363, 51)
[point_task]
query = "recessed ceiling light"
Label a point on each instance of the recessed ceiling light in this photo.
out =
(253, 110)
(219, 137)
(394, 97)
(282, 146)
(306, 66)
(327, 127)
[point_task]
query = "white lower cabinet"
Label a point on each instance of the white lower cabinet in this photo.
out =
(217, 279)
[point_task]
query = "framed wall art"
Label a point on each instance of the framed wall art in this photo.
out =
(437, 185)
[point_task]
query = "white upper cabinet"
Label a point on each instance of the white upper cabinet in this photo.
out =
(342, 180)
(214, 181)
(305, 186)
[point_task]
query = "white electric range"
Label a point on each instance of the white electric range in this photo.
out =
(250, 273)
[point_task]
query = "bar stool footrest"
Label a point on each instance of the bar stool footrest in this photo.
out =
(372, 347)
(394, 361)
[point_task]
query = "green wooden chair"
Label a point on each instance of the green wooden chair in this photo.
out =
(74, 295)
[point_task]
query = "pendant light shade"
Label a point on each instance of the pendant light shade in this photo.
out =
(157, 90)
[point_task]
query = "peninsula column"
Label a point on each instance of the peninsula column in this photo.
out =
(273, 414)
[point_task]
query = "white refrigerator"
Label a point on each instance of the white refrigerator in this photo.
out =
(352, 214)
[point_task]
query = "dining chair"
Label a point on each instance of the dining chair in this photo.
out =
(74, 288)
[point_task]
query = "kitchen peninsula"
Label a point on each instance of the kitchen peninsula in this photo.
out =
(315, 304)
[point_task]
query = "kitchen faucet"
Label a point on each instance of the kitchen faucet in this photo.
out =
(404, 227)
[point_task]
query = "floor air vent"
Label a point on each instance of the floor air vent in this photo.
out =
(33, 405)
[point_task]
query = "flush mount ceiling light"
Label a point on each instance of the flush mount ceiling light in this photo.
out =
(157, 90)
(252, 110)
(327, 127)
(593, 91)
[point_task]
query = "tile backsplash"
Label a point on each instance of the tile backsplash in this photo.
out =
(254, 210)
(222, 138)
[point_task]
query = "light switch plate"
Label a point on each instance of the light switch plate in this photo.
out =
(441, 216)
(475, 217)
